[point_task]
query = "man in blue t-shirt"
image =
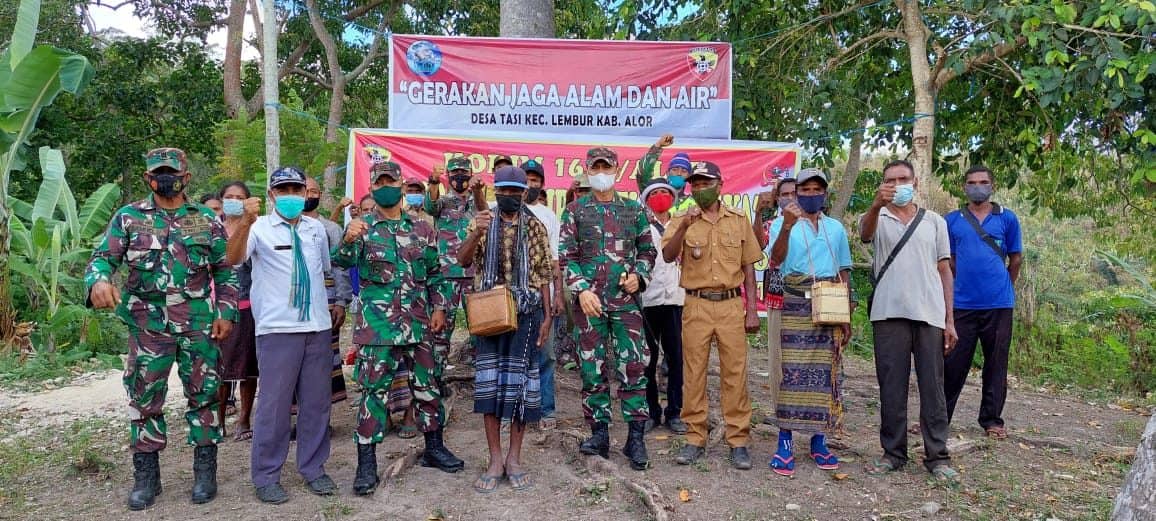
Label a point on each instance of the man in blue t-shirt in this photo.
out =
(986, 266)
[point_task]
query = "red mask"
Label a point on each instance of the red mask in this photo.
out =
(660, 202)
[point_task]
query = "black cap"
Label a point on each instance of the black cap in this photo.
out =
(286, 175)
(705, 169)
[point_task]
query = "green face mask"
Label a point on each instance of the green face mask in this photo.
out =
(387, 196)
(706, 197)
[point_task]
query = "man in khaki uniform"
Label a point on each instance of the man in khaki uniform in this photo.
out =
(719, 251)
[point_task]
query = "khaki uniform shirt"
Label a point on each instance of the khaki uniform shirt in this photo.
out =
(713, 254)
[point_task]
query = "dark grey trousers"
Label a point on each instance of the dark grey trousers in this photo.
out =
(288, 363)
(896, 341)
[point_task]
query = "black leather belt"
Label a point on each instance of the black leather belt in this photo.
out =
(714, 296)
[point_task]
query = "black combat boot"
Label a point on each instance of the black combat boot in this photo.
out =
(204, 474)
(635, 448)
(437, 455)
(598, 444)
(366, 480)
(147, 480)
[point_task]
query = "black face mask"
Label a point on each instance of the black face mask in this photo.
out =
(311, 203)
(459, 182)
(166, 185)
(509, 203)
(533, 194)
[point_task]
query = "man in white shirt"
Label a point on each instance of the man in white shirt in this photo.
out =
(290, 256)
(536, 203)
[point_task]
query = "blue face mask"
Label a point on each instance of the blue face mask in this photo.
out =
(290, 206)
(903, 194)
(414, 199)
(676, 181)
(233, 207)
(811, 203)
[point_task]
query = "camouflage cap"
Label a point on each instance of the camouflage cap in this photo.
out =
(595, 155)
(387, 168)
(171, 157)
(411, 180)
(458, 163)
(498, 160)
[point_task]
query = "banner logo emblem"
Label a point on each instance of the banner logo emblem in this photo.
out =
(424, 58)
(702, 61)
(376, 154)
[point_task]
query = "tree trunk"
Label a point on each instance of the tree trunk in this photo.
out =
(527, 18)
(336, 110)
(846, 186)
(231, 68)
(7, 312)
(1137, 498)
(923, 129)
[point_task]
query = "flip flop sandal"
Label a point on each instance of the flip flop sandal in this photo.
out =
(997, 432)
(879, 466)
(826, 461)
(915, 429)
(407, 432)
(243, 435)
(519, 481)
(783, 467)
(945, 474)
(486, 484)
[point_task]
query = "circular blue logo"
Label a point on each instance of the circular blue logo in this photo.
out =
(424, 58)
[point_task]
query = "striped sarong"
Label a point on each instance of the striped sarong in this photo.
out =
(809, 398)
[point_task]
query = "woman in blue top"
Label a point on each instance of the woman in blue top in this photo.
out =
(808, 246)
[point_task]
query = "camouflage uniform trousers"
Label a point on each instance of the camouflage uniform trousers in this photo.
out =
(460, 288)
(146, 378)
(622, 329)
(376, 368)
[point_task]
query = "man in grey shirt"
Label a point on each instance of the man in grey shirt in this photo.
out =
(911, 316)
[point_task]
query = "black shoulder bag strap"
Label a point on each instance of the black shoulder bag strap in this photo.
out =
(983, 233)
(899, 246)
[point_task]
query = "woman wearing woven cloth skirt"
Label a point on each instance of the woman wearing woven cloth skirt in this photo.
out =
(808, 247)
(512, 250)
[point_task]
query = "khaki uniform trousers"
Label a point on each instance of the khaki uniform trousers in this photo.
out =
(723, 321)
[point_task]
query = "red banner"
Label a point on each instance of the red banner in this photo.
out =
(748, 167)
(603, 87)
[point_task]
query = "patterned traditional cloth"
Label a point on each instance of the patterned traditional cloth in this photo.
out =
(506, 381)
(336, 376)
(810, 399)
(400, 394)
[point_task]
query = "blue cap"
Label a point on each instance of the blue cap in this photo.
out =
(286, 175)
(532, 166)
(679, 160)
(510, 176)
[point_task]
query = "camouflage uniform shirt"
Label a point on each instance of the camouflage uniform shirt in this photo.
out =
(453, 213)
(401, 279)
(172, 256)
(601, 241)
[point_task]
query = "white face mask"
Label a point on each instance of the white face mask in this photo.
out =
(602, 182)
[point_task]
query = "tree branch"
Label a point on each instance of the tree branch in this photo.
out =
(882, 34)
(1101, 32)
(374, 48)
(995, 53)
(361, 11)
(315, 78)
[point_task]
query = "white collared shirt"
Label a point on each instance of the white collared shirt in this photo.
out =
(270, 248)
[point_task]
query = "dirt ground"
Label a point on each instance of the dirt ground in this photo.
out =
(1065, 460)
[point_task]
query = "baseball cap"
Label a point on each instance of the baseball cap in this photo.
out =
(458, 163)
(705, 169)
(532, 166)
(286, 175)
(808, 174)
(387, 168)
(510, 176)
(502, 159)
(171, 157)
(414, 180)
(595, 155)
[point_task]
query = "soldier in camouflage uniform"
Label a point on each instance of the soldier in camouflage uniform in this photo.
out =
(415, 199)
(404, 295)
(173, 249)
(452, 213)
(607, 252)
